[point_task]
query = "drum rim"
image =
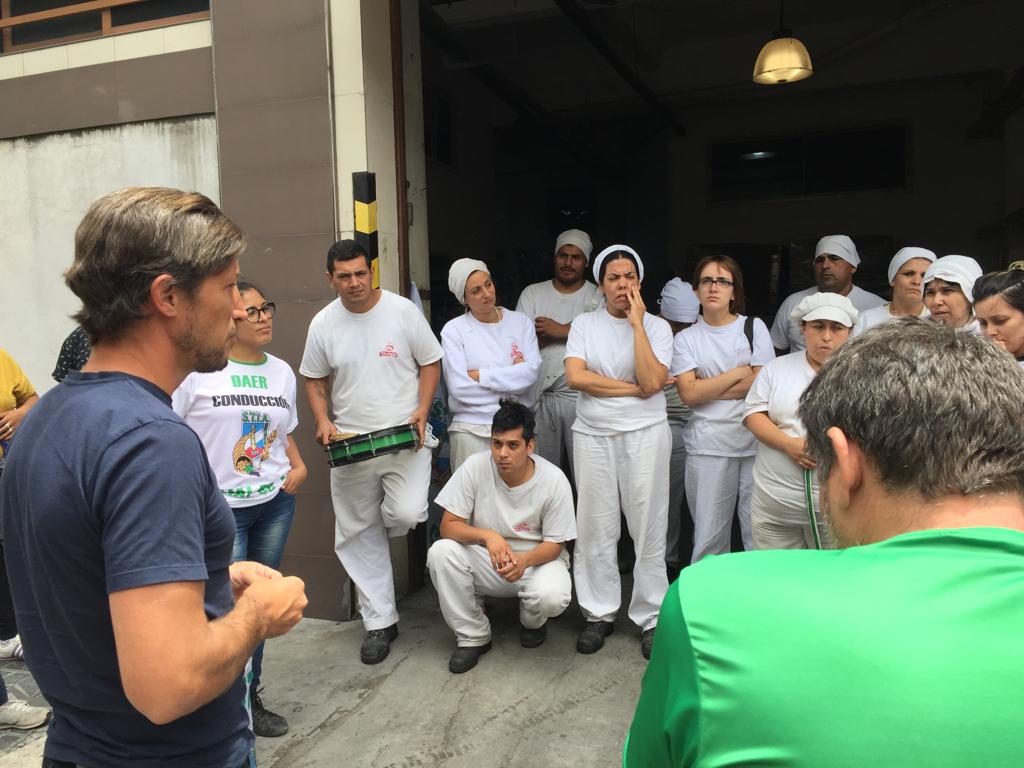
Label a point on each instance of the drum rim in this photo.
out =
(378, 433)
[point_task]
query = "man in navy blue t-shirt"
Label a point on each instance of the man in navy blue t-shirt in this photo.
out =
(135, 623)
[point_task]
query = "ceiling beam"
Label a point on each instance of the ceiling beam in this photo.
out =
(582, 22)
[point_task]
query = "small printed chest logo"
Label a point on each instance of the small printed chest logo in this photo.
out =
(517, 354)
(522, 528)
(388, 351)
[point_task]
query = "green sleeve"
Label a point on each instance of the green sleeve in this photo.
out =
(666, 725)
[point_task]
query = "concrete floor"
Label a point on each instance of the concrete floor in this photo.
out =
(546, 707)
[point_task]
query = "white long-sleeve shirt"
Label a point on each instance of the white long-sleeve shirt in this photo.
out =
(492, 349)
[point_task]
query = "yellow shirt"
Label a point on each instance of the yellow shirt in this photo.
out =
(15, 388)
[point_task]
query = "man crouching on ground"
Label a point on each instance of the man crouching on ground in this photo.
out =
(507, 516)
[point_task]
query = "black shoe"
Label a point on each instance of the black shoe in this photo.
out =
(265, 722)
(377, 644)
(531, 638)
(647, 642)
(591, 639)
(465, 657)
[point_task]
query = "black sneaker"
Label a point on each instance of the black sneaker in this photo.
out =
(465, 657)
(265, 722)
(377, 644)
(531, 638)
(591, 639)
(647, 642)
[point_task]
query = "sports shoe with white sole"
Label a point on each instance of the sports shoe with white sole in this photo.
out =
(11, 649)
(18, 714)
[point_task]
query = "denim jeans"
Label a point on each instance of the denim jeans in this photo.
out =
(260, 535)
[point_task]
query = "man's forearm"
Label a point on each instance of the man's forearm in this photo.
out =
(318, 393)
(544, 552)
(430, 376)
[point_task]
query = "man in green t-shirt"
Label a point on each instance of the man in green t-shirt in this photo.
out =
(901, 648)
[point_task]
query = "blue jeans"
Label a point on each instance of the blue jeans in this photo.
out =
(260, 535)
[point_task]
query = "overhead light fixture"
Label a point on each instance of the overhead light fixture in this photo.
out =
(757, 155)
(783, 59)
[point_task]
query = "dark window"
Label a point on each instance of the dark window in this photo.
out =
(437, 125)
(848, 161)
(52, 29)
(155, 9)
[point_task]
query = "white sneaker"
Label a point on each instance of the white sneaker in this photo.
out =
(18, 714)
(11, 649)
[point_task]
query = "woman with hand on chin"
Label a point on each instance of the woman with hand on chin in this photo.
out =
(715, 362)
(244, 416)
(949, 291)
(782, 505)
(489, 353)
(906, 276)
(999, 307)
(617, 358)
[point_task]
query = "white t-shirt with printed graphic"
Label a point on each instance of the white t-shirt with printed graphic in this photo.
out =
(605, 344)
(539, 510)
(493, 350)
(243, 416)
(374, 357)
(716, 427)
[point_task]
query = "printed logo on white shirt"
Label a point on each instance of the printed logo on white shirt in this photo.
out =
(388, 351)
(517, 354)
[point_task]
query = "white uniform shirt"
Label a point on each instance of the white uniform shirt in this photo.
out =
(716, 427)
(543, 300)
(243, 415)
(374, 357)
(869, 318)
(539, 510)
(786, 333)
(491, 349)
(605, 344)
(776, 392)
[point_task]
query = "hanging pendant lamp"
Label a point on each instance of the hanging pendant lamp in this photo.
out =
(783, 59)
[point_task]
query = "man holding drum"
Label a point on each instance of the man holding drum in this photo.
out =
(385, 361)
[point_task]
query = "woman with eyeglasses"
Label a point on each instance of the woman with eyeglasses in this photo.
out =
(244, 415)
(715, 361)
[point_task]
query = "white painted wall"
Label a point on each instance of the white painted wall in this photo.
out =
(46, 185)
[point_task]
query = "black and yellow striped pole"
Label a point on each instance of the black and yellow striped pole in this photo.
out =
(364, 196)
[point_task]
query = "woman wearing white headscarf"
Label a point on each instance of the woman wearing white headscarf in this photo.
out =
(617, 358)
(782, 504)
(906, 276)
(489, 353)
(949, 291)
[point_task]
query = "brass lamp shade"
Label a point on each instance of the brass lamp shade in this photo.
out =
(782, 60)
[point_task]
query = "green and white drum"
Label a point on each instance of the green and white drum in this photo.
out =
(369, 445)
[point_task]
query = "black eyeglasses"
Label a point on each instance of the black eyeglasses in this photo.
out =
(252, 314)
(721, 282)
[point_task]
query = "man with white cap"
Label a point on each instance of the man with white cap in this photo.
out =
(386, 363)
(835, 262)
(553, 304)
(906, 276)
(489, 352)
(949, 292)
(783, 512)
(679, 307)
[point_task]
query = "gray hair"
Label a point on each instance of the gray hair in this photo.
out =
(936, 411)
(130, 237)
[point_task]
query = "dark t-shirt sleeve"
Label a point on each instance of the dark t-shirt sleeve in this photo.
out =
(153, 490)
(666, 725)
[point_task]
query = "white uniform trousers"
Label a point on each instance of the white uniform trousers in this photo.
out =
(627, 471)
(715, 487)
(555, 415)
(780, 525)
(676, 494)
(463, 572)
(462, 445)
(384, 496)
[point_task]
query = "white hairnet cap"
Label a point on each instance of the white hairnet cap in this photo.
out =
(903, 255)
(458, 274)
(838, 245)
(576, 237)
(610, 250)
(825, 306)
(962, 270)
(678, 302)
